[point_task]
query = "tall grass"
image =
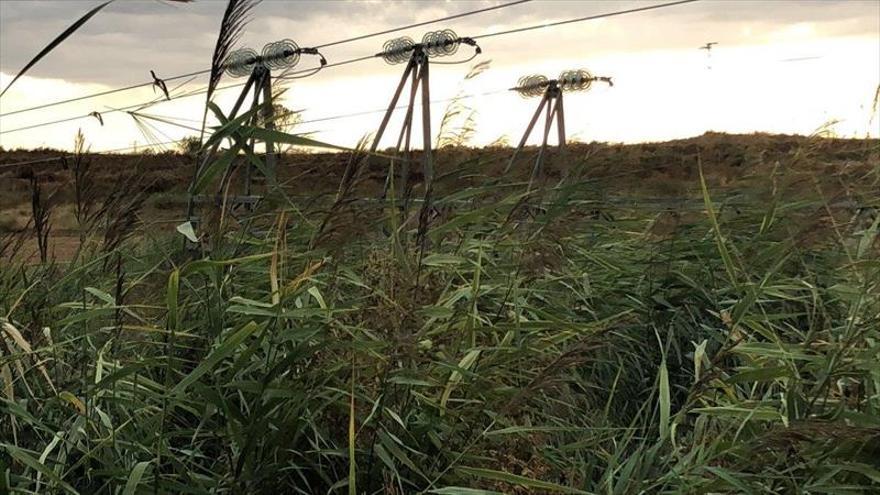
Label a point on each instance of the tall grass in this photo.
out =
(484, 348)
(562, 353)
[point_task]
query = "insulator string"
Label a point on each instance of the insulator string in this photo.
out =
(441, 43)
(278, 55)
(569, 80)
(531, 86)
(397, 50)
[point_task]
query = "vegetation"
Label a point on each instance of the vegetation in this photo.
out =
(526, 346)
(476, 340)
(190, 146)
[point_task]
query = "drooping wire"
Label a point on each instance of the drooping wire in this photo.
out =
(141, 106)
(164, 120)
(170, 121)
(458, 62)
(292, 77)
(173, 118)
(138, 106)
(148, 131)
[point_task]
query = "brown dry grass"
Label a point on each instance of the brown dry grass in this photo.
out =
(667, 169)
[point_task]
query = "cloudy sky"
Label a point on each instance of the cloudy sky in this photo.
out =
(787, 66)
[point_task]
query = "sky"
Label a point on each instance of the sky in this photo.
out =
(780, 66)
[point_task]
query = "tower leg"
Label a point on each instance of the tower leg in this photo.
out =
(526, 134)
(407, 156)
(560, 120)
(539, 161)
(409, 68)
(428, 157)
(405, 134)
(190, 207)
(252, 143)
(427, 162)
(269, 121)
(357, 169)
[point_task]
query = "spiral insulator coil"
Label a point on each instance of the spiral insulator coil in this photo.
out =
(434, 44)
(242, 62)
(441, 43)
(575, 80)
(531, 86)
(397, 51)
(281, 54)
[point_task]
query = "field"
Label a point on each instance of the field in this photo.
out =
(699, 316)
(743, 164)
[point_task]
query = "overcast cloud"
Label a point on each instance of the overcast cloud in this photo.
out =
(123, 42)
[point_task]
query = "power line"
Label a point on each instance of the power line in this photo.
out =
(169, 120)
(587, 18)
(102, 93)
(325, 45)
(120, 109)
(186, 95)
(400, 107)
(419, 24)
(102, 152)
(368, 57)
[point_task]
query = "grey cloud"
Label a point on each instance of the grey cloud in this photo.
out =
(120, 45)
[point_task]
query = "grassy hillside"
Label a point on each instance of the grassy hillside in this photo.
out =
(633, 326)
(737, 164)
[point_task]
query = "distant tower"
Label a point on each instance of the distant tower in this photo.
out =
(708, 48)
(550, 91)
(416, 56)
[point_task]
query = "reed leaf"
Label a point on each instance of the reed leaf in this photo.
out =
(57, 41)
(235, 19)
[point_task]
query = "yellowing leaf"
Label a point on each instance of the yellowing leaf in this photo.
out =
(73, 401)
(466, 362)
